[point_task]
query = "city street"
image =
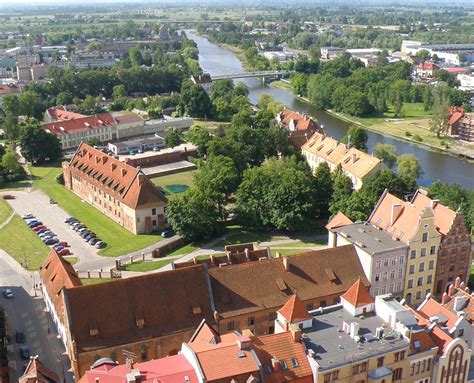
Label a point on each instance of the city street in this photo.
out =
(25, 312)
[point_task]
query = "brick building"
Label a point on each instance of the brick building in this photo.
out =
(118, 190)
(461, 124)
(300, 127)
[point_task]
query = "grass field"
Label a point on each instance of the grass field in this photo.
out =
(167, 183)
(287, 252)
(119, 240)
(71, 260)
(245, 237)
(19, 185)
(20, 242)
(94, 281)
(183, 250)
(146, 266)
(5, 210)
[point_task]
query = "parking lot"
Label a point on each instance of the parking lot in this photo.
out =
(53, 217)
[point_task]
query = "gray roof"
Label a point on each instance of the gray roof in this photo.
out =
(139, 141)
(334, 348)
(366, 236)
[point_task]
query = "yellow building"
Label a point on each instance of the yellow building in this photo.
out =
(415, 226)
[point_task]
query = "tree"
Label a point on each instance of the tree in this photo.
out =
(217, 179)
(10, 127)
(356, 137)
(423, 55)
(342, 191)
(11, 105)
(241, 90)
(200, 137)
(439, 121)
(195, 102)
(12, 170)
(174, 138)
(408, 167)
(30, 104)
(193, 215)
(119, 91)
(94, 46)
(387, 153)
(278, 195)
(323, 189)
(38, 146)
(64, 98)
(222, 89)
(93, 141)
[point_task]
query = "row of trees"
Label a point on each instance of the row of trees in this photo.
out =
(10, 169)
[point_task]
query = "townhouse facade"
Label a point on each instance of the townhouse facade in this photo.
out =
(356, 164)
(383, 259)
(155, 313)
(120, 191)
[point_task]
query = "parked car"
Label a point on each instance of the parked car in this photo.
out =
(63, 252)
(82, 229)
(7, 293)
(100, 245)
(51, 241)
(8, 196)
(38, 228)
(63, 243)
(58, 248)
(70, 219)
(47, 238)
(20, 336)
(27, 216)
(46, 234)
(25, 352)
(93, 241)
(42, 231)
(167, 233)
(34, 224)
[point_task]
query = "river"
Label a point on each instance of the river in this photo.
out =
(436, 166)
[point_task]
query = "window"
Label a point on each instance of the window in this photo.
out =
(433, 250)
(144, 353)
(322, 304)
(394, 261)
(428, 291)
(384, 276)
(423, 252)
(153, 222)
(355, 369)
(397, 374)
(418, 295)
(428, 365)
(410, 283)
(283, 365)
(230, 325)
(431, 265)
(402, 355)
(461, 332)
(413, 254)
(412, 269)
(327, 378)
(400, 273)
(378, 264)
(420, 281)
(401, 259)
(272, 316)
(383, 290)
(392, 274)
(421, 267)
(380, 361)
(399, 286)
(385, 262)
(251, 321)
(429, 279)
(268, 368)
(294, 363)
(335, 375)
(377, 277)
(309, 307)
(153, 211)
(424, 237)
(376, 291)
(363, 367)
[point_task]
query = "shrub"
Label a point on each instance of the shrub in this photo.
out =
(417, 138)
(408, 134)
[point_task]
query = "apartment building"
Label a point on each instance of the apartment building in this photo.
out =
(120, 191)
(356, 164)
(382, 258)
(300, 127)
(413, 225)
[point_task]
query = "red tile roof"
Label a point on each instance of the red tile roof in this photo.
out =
(456, 115)
(171, 369)
(57, 274)
(283, 347)
(469, 306)
(60, 113)
(128, 118)
(9, 89)
(428, 66)
(423, 339)
(456, 70)
(294, 310)
(338, 220)
(37, 372)
(225, 360)
(80, 124)
(301, 122)
(444, 216)
(115, 178)
(432, 308)
(358, 295)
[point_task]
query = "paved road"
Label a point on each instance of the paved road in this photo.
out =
(26, 313)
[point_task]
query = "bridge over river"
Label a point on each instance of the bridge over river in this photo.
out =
(271, 74)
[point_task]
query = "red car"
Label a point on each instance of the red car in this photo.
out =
(63, 243)
(64, 252)
(39, 227)
(8, 196)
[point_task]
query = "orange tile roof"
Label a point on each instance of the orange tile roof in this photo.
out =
(444, 216)
(57, 274)
(81, 124)
(358, 295)
(301, 122)
(60, 113)
(283, 347)
(7, 89)
(37, 372)
(225, 360)
(338, 220)
(468, 308)
(428, 66)
(128, 118)
(267, 284)
(432, 308)
(424, 339)
(294, 310)
(115, 178)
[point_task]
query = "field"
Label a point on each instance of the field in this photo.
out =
(94, 281)
(146, 266)
(5, 210)
(19, 241)
(119, 240)
(174, 184)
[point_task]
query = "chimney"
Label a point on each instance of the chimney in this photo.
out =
(286, 263)
(457, 282)
(275, 364)
(243, 342)
(216, 316)
(97, 380)
(354, 331)
(459, 303)
(451, 290)
(311, 353)
(295, 332)
(354, 157)
(246, 251)
(462, 285)
(396, 210)
(434, 202)
(444, 298)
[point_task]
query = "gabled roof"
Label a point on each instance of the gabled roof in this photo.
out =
(294, 310)
(468, 306)
(421, 341)
(428, 65)
(301, 122)
(142, 307)
(340, 219)
(251, 287)
(444, 216)
(57, 274)
(431, 308)
(80, 124)
(37, 372)
(60, 113)
(115, 178)
(358, 295)
(283, 348)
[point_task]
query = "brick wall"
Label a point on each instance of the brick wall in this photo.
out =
(161, 159)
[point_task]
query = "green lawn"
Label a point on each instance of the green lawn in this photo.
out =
(18, 240)
(183, 250)
(201, 257)
(170, 183)
(287, 252)
(71, 260)
(18, 185)
(302, 244)
(94, 281)
(146, 266)
(119, 240)
(5, 210)
(236, 236)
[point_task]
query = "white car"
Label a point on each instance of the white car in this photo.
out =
(28, 216)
